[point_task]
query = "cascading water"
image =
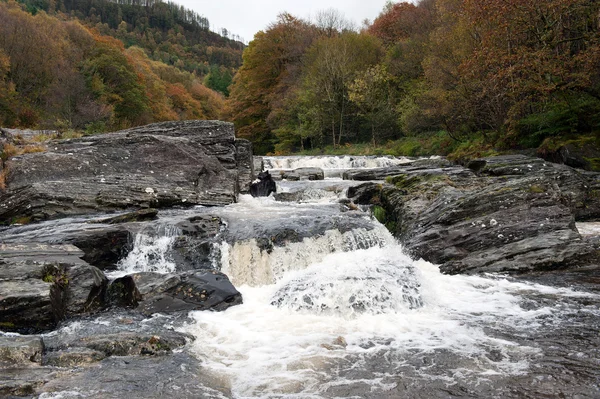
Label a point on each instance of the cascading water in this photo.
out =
(150, 252)
(332, 162)
(348, 314)
(333, 307)
(246, 263)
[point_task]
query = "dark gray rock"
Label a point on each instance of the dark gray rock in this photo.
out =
(73, 357)
(264, 186)
(103, 247)
(26, 306)
(365, 194)
(259, 164)
(81, 291)
(24, 381)
(575, 153)
(179, 375)
(245, 165)
(41, 284)
(26, 282)
(196, 246)
(502, 214)
(199, 290)
(383, 173)
(160, 165)
(136, 216)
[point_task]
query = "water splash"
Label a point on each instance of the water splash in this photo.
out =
(411, 312)
(247, 263)
(352, 284)
(589, 228)
(150, 252)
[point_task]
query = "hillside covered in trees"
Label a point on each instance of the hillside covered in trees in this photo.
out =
(438, 76)
(100, 65)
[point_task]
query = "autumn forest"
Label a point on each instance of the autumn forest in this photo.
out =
(435, 77)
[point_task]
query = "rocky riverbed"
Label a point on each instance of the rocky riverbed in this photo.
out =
(132, 263)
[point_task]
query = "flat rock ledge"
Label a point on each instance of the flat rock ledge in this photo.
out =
(500, 214)
(109, 356)
(166, 164)
(42, 285)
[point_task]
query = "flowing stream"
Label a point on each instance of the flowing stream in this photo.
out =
(333, 308)
(348, 314)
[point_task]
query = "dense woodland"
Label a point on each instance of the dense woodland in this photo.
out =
(100, 65)
(441, 74)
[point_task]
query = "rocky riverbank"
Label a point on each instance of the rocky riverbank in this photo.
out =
(53, 285)
(499, 214)
(160, 165)
(67, 320)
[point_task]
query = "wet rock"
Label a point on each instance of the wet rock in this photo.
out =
(73, 357)
(245, 165)
(26, 306)
(19, 350)
(259, 164)
(201, 226)
(509, 214)
(104, 247)
(289, 175)
(578, 190)
(196, 247)
(199, 290)
(303, 174)
(178, 375)
(365, 194)
(582, 154)
(136, 216)
(133, 343)
(155, 166)
(41, 284)
(24, 381)
(122, 292)
(383, 173)
(77, 290)
(264, 186)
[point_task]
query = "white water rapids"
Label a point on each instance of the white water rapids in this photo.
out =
(349, 314)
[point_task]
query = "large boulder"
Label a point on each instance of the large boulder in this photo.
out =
(160, 165)
(42, 284)
(263, 186)
(167, 293)
(502, 214)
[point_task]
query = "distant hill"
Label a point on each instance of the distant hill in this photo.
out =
(167, 31)
(99, 65)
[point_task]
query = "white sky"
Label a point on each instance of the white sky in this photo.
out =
(246, 17)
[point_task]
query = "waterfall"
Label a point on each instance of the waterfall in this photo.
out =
(247, 263)
(150, 252)
(333, 162)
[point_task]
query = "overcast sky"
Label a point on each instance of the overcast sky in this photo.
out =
(246, 17)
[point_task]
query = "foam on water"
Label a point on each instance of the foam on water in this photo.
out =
(150, 253)
(277, 348)
(333, 162)
(589, 228)
(245, 262)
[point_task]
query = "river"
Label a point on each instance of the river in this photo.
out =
(350, 315)
(336, 309)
